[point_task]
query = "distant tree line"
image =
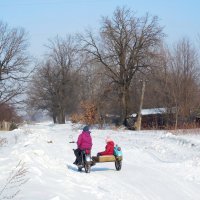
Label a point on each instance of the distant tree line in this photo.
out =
(89, 76)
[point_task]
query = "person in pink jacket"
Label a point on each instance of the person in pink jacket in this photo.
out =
(84, 139)
(84, 142)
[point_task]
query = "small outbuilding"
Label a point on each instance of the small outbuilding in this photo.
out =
(157, 118)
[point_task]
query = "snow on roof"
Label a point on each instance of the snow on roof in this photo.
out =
(151, 111)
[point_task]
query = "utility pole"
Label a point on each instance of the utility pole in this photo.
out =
(139, 116)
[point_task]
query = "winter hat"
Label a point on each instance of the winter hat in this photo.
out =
(86, 128)
(108, 139)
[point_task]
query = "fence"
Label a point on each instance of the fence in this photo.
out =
(5, 126)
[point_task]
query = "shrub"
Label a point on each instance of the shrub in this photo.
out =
(88, 113)
(8, 113)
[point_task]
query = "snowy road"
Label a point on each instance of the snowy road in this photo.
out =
(156, 165)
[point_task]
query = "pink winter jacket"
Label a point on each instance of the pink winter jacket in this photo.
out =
(84, 140)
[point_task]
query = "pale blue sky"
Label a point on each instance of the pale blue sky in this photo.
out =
(44, 19)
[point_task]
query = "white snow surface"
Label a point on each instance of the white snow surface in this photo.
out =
(157, 165)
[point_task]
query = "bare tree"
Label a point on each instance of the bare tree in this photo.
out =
(63, 56)
(182, 79)
(126, 45)
(13, 62)
(53, 85)
(42, 91)
(175, 85)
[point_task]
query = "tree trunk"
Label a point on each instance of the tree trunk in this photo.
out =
(124, 102)
(54, 118)
(139, 117)
(176, 118)
(61, 117)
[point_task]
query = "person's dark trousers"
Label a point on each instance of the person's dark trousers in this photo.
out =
(77, 153)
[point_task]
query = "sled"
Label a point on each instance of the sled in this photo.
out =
(108, 158)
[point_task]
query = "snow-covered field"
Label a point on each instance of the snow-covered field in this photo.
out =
(36, 164)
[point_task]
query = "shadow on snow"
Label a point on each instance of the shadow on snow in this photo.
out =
(94, 169)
